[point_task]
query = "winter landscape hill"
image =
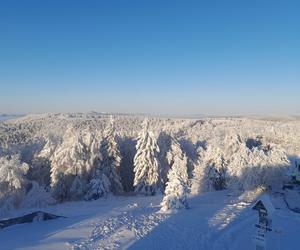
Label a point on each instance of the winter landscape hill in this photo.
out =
(126, 181)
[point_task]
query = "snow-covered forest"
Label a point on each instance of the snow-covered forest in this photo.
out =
(53, 158)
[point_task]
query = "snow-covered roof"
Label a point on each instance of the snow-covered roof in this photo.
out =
(266, 201)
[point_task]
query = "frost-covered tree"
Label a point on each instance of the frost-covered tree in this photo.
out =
(266, 167)
(99, 186)
(40, 164)
(39, 171)
(251, 166)
(16, 190)
(12, 173)
(198, 177)
(36, 196)
(210, 172)
(13, 182)
(146, 165)
(61, 186)
(49, 147)
(216, 173)
(111, 158)
(230, 163)
(177, 185)
(92, 141)
(164, 143)
(106, 170)
(68, 167)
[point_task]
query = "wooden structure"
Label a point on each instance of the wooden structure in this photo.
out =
(265, 210)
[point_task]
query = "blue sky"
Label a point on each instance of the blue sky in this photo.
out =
(160, 57)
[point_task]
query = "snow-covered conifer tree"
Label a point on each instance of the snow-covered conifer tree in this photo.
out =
(216, 172)
(106, 170)
(68, 167)
(12, 173)
(12, 182)
(111, 158)
(198, 179)
(164, 143)
(99, 186)
(37, 196)
(146, 166)
(49, 148)
(39, 171)
(177, 185)
(92, 141)
(266, 167)
(231, 164)
(210, 172)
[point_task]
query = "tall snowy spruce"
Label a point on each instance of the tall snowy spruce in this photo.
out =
(146, 166)
(68, 167)
(106, 173)
(177, 185)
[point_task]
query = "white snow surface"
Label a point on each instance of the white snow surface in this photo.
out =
(232, 153)
(215, 220)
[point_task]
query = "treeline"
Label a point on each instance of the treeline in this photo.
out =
(85, 164)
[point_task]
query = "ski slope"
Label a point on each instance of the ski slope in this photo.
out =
(216, 220)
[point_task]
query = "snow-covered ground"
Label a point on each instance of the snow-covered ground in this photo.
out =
(58, 158)
(215, 220)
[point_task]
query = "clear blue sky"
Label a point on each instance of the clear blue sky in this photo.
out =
(161, 57)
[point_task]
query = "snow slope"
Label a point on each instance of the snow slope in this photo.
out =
(216, 220)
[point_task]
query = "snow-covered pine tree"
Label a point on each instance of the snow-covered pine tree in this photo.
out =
(92, 141)
(267, 166)
(36, 196)
(49, 147)
(68, 167)
(164, 143)
(198, 179)
(105, 175)
(39, 171)
(210, 171)
(99, 186)
(40, 165)
(146, 165)
(12, 173)
(234, 165)
(177, 185)
(111, 158)
(13, 182)
(217, 173)
(276, 167)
